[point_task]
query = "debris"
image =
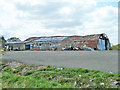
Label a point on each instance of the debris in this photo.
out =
(58, 78)
(91, 80)
(88, 48)
(75, 48)
(54, 78)
(93, 42)
(110, 72)
(79, 75)
(2, 50)
(60, 68)
(87, 85)
(101, 83)
(117, 84)
(74, 84)
(63, 48)
(14, 64)
(110, 79)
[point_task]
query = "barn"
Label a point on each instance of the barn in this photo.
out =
(95, 41)
(53, 43)
(29, 43)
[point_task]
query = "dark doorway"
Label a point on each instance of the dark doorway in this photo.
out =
(27, 47)
(106, 43)
(11, 47)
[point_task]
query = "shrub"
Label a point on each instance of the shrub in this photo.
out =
(7, 69)
(29, 72)
(118, 79)
(2, 63)
(49, 69)
(17, 69)
(5, 76)
(85, 71)
(54, 83)
(109, 74)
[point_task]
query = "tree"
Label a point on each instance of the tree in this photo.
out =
(3, 41)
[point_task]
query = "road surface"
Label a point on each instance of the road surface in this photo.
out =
(105, 61)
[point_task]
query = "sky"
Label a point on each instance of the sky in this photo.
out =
(35, 18)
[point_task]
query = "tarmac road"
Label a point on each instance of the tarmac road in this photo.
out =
(105, 61)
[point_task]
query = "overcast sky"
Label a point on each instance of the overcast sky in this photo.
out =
(28, 18)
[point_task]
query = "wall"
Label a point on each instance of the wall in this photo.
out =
(20, 46)
(101, 44)
(67, 43)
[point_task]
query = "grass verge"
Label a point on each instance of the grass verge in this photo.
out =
(18, 75)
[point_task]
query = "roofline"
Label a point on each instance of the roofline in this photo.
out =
(62, 36)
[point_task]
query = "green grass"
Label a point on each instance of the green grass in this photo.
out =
(0, 81)
(56, 77)
(116, 47)
(2, 63)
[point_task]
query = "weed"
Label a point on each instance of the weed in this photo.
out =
(7, 69)
(2, 63)
(29, 72)
(57, 77)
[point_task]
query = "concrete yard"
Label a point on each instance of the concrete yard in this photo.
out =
(105, 61)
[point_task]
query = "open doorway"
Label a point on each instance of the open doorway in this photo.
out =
(27, 47)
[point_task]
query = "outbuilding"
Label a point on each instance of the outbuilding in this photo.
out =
(53, 43)
(14, 43)
(95, 41)
(91, 42)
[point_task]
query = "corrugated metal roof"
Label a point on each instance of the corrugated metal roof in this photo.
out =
(88, 40)
(51, 39)
(31, 39)
(13, 40)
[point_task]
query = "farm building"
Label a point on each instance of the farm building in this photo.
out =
(29, 45)
(95, 42)
(14, 44)
(53, 43)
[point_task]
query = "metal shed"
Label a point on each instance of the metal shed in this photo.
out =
(14, 44)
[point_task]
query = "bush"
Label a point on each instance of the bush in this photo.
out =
(85, 71)
(2, 63)
(7, 69)
(29, 72)
(18, 69)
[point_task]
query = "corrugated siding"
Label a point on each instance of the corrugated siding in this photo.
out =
(108, 46)
(101, 44)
